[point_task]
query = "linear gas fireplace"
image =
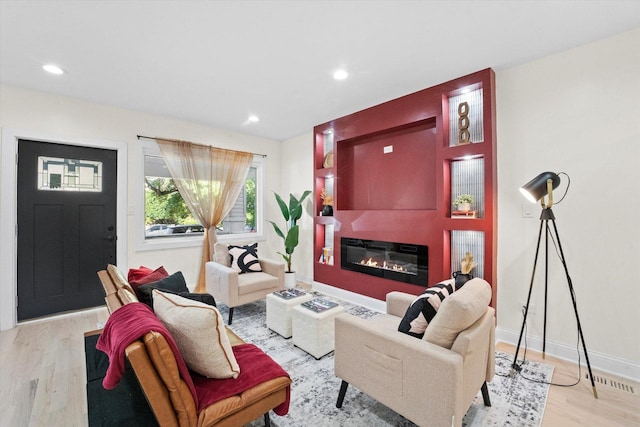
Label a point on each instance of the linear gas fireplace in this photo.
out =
(402, 262)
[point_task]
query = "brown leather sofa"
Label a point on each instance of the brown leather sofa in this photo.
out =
(168, 395)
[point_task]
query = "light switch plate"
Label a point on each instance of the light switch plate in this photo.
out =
(527, 210)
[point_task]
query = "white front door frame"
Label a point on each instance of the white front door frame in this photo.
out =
(8, 209)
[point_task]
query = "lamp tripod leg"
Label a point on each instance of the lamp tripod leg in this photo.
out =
(546, 287)
(526, 309)
(575, 307)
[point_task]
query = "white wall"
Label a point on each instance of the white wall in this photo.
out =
(576, 112)
(296, 177)
(33, 112)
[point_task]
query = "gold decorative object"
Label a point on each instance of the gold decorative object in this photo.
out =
(328, 160)
(467, 264)
(327, 199)
(463, 123)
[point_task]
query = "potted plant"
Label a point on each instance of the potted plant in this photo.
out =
(291, 213)
(327, 203)
(463, 201)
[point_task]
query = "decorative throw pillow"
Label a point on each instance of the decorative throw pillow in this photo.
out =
(424, 308)
(143, 275)
(203, 298)
(135, 274)
(198, 330)
(458, 312)
(244, 259)
(174, 283)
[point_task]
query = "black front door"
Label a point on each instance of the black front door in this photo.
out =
(66, 226)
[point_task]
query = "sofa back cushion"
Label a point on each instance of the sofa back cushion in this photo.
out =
(166, 366)
(221, 254)
(126, 296)
(118, 278)
(459, 311)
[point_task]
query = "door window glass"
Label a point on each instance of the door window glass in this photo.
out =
(56, 174)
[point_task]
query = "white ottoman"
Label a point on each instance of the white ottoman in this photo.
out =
(314, 332)
(279, 312)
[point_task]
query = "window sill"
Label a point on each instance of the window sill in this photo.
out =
(160, 243)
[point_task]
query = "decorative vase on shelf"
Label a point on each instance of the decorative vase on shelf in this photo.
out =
(327, 210)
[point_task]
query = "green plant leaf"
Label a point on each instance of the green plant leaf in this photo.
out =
(296, 213)
(287, 258)
(291, 241)
(291, 213)
(283, 207)
(277, 229)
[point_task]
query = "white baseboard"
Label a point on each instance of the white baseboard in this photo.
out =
(599, 361)
(365, 301)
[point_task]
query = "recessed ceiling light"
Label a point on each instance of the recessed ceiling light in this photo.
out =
(53, 69)
(340, 74)
(253, 119)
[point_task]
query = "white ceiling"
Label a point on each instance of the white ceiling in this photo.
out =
(217, 62)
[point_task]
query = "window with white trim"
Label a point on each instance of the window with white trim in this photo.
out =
(167, 220)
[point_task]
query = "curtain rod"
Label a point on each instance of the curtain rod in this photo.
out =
(153, 139)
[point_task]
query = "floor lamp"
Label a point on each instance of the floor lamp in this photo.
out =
(536, 189)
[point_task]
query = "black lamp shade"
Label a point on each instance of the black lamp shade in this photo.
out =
(536, 189)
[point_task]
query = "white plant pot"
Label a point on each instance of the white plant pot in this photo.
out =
(464, 207)
(290, 280)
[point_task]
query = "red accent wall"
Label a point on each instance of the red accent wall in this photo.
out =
(403, 196)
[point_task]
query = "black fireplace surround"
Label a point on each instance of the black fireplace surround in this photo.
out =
(402, 262)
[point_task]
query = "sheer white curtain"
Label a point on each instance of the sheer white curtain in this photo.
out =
(209, 180)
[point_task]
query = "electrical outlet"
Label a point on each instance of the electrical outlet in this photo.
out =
(532, 308)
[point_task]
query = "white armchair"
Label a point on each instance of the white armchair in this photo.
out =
(427, 383)
(234, 289)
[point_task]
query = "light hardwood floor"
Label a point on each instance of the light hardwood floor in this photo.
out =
(42, 377)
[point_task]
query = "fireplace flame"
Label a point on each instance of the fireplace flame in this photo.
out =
(372, 263)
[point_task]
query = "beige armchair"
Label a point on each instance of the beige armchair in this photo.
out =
(430, 384)
(234, 289)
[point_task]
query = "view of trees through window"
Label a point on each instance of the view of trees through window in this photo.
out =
(167, 214)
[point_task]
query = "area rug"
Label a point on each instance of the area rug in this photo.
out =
(515, 401)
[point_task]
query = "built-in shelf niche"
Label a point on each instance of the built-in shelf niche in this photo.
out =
(325, 171)
(463, 241)
(467, 177)
(474, 100)
(325, 230)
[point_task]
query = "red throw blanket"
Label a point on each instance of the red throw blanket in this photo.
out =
(255, 367)
(125, 325)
